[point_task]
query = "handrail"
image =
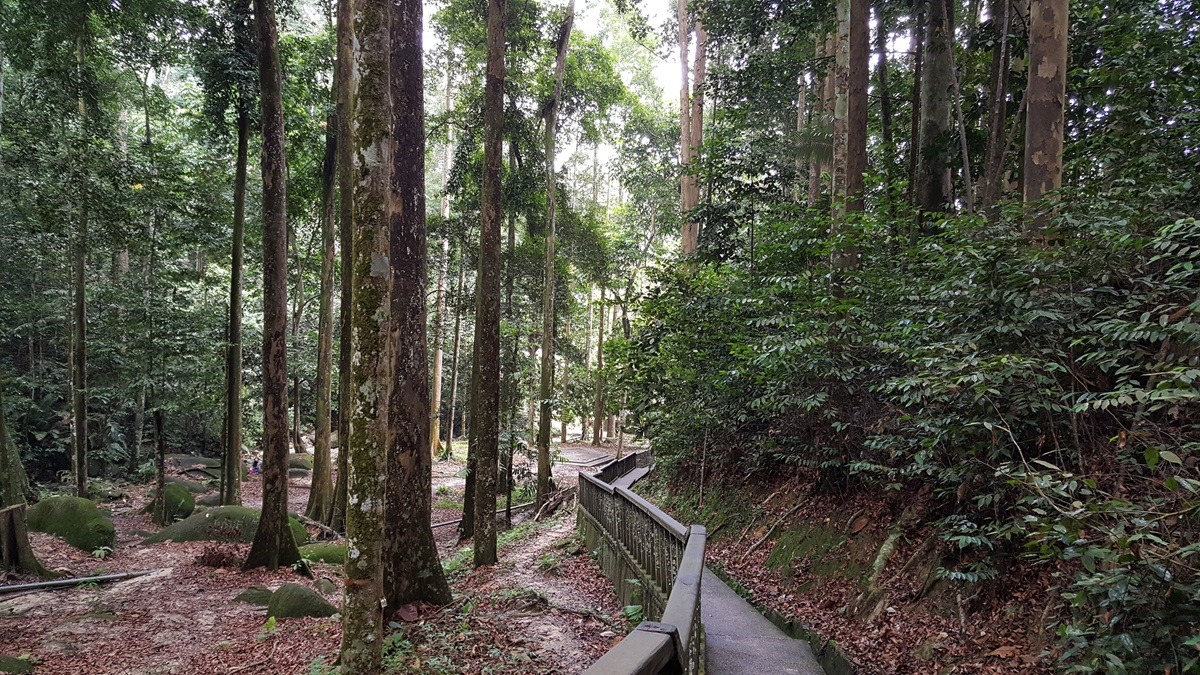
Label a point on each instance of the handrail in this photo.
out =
(648, 555)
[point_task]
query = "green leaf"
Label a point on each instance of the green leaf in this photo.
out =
(1169, 456)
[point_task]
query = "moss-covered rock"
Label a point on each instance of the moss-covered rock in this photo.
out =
(297, 473)
(325, 586)
(10, 665)
(300, 460)
(324, 551)
(209, 500)
(179, 503)
(223, 523)
(189, 485)
(75, 519)
(255, 595)
(194, 462)
(294, 600)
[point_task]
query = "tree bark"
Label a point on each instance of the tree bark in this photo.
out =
(79, 252)
(454, 360)
(412, 570)
(160, 461)
(485, 399)
(343, 112)
(815, 120)
(371, 365)
(914, 141)
(273, 543)
(689, 234)
(320, 496)
(936, 82)
(1046, 94)
(231, 461)
(546, 386)
(435, 417)
(598, 408)
(885, 104)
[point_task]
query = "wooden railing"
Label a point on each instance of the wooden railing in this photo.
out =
(653, 561)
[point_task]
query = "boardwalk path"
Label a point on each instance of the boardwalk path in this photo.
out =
(739, 638)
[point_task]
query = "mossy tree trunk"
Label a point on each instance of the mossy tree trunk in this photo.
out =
(485, 388)
(546, 385)
(936, 75)
(343, 111)
(273, 543)
(412, 569)
(371, 371)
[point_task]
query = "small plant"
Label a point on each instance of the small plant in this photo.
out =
(549, 562)
(268, 629)
(102, 552)
(634, 613)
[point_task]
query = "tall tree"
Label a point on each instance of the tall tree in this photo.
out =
(231, 459)
(273, 543)
(439, 316)
(485, 385)
(546, 386)
(320, 497)
(412, 570)
(994, 155)
(936, 82)
(371, 369)
(343, 84)
(598, 404)
(79, 253)
(1046, 93)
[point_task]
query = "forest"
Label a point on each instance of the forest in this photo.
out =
(345, 307)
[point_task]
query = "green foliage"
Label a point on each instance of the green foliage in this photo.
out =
(1019, 383)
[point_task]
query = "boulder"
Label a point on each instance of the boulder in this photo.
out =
(295, 600)
(209, 500)
(297, 473)
(325, 552)
(223, 523)
(194, 462)
(300, 460)
(75, 519)
(10, 665)
(189, 485)
(179, 503)
(255, 595)
(325, 586)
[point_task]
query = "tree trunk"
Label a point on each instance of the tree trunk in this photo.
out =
(598, 408)
(994, 155)
(371, 365)
(231, 461)
(801, 105)
(689, 234)
(344, 110)
(485, 399)
(454, 360)
(435, 417)
(412, 570)
(160, 461)
(546, 388)
(139, 425)
(936, 83)
(885, 105)
(856, 131)
(956, 96)
(815, 120)
(273, 543)
(320, 496)
(1044, 113)
(914, 141)
(565, 372)
(587, 354)
(79, 320)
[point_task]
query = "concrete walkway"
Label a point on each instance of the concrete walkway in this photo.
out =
(740, 640)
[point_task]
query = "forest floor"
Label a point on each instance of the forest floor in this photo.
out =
(808, 556)
(545, 608)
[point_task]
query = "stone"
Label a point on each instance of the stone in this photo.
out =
(324, 551)
(255, 595)
(10, 665)
(179, 503)
(223, 523)
(295, 600)
(79, 521)
(300, 460)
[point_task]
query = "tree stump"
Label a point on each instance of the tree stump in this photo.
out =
(15, 552)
